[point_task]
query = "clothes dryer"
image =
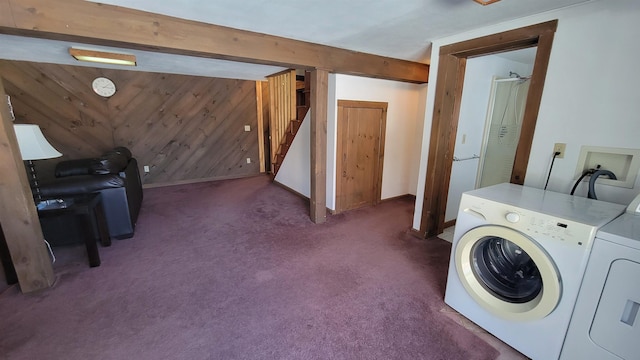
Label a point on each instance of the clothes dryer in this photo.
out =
(517, 262)
(606, 321)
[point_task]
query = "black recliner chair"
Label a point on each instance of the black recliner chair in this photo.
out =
(115, 175)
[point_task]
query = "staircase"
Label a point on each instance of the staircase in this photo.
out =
(303, 96)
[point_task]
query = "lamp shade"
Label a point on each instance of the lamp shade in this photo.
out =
(33, 145)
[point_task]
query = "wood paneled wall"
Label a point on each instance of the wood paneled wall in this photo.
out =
(185, 128)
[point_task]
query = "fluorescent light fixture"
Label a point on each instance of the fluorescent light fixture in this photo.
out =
(103, 57)
(486, 2)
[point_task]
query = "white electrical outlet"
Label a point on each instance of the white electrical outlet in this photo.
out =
(560, 148)
(247, 128)
(146, 169)
(248, 160)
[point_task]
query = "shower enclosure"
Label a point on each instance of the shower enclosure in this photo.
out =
(502, 129)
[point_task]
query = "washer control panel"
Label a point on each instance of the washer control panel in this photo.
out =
(512, 217)
(534, 224)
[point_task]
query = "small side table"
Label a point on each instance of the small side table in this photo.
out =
(88, 209)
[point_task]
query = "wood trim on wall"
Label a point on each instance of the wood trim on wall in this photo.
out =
(449, 223)
(197, 181)
(448, 94)
(260, 126)
(439, 147)
(319, 114)
(532, 107)
(266, 127)
(108, 25)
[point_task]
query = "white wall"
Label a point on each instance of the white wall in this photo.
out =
(402, 121)
(417, 138)
(295, 171)
(590, 95)
(405, 114)
(473, 114)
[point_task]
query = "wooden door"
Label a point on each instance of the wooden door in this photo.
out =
(360, 153)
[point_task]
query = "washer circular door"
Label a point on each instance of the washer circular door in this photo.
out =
(507, 273)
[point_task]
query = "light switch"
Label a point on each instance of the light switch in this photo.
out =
(247, 128)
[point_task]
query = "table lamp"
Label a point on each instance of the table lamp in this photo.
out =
(34, 146)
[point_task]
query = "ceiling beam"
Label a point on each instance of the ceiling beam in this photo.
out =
(99, 24)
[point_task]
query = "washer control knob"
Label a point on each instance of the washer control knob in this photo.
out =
(513, 217)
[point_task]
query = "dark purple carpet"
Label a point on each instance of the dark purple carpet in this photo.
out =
(236, 270)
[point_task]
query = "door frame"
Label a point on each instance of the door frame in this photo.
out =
(446, 111)
(383, 126)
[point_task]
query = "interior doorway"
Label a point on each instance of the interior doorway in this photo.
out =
(489, 124)
(450, 78)
(360, 153)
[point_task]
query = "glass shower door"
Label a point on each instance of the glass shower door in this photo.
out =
(502, 130)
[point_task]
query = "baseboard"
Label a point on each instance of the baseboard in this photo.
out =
(299, 194)
(405, 196)
(334, 212)
(416, 233)
(275, 182)
(449, 223)
(196, 181)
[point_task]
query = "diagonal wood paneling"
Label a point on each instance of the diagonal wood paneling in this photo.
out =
(72, 121)
(185, 128)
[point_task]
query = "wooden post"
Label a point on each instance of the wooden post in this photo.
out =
(319, 99)
(18, 213)
(260, 125)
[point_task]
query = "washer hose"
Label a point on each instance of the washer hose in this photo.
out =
(585, 173)
(592, 181)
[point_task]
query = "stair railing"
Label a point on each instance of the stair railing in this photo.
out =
(282, 105)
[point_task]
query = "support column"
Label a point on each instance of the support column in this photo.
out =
(18, 213)
(319, 98)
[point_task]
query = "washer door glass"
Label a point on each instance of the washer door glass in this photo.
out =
(507, 273)
(506, 270)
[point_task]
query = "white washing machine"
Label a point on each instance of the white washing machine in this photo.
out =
(517, 261)
(606, 320)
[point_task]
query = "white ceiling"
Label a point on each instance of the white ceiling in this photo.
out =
(399, 29)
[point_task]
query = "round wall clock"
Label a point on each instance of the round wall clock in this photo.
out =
(103, 86)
